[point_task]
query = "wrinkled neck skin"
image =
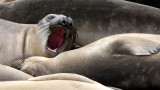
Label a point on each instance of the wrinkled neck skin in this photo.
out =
(19, 41)
(34, 46)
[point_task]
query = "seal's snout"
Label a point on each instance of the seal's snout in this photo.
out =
(66, 22)
(63, 22)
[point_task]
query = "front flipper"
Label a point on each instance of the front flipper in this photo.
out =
(133, 46)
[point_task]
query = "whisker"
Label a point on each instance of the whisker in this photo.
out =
(42, 30)
(42, 34)
(41, 26)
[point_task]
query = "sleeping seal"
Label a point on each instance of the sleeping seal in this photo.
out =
(126, 61)
(60, 81)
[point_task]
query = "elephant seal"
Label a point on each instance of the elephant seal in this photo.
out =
(9, 74)
(56, 82)
(126, 61)
(94, 19)
(52, 35)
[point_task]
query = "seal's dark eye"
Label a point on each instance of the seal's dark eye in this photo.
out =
(51, 17)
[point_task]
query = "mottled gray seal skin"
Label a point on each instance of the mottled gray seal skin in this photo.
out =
(126, 61)
(93, 18)
(10, 74)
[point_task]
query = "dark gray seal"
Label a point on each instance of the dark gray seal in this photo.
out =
(94, 19)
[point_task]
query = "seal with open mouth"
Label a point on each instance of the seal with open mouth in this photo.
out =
(52, 35)
(59, 32)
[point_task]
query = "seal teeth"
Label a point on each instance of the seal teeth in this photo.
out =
(55, 50)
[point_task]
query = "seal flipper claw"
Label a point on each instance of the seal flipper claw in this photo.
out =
(134, 46)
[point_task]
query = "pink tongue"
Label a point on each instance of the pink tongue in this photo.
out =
(56, 39)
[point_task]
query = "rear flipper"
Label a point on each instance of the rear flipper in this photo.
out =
(133, 46)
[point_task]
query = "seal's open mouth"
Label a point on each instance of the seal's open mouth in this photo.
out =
(56, 39)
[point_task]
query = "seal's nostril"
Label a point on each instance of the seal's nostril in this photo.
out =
(64, 22)
(70, 24)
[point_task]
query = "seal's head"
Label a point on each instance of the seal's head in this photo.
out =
(57, 33)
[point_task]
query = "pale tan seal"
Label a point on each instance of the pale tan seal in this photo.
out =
(52, 35)
(127, 61)
(9, 74)
(61, 81)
